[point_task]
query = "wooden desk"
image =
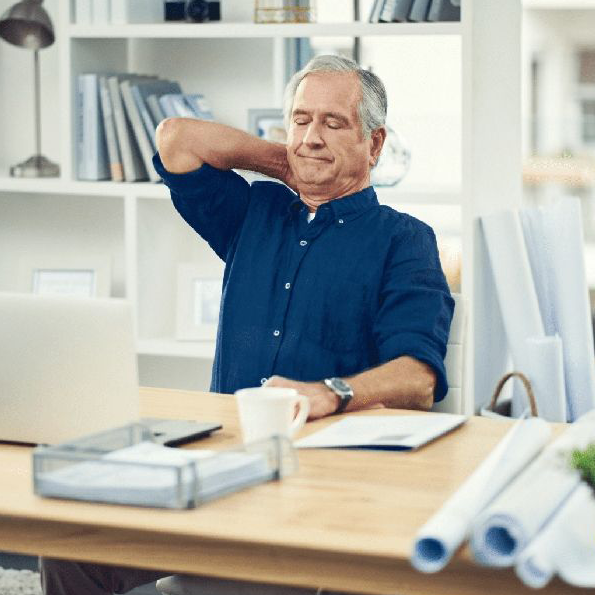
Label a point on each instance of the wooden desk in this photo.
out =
(345, 521)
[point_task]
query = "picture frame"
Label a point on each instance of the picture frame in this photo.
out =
(68, 276)
(198, 300)
(267, 124)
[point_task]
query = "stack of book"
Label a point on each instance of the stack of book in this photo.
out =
(117, 115)
(415, 11)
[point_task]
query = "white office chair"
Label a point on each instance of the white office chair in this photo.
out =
(455, 360)
(452, 403)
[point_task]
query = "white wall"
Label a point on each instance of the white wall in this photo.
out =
(553, 36)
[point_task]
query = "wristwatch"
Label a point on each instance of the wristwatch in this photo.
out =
(342, 389)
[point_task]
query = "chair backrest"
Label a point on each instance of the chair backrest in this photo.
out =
(454, 360)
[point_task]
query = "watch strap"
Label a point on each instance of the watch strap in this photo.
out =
(342, 390)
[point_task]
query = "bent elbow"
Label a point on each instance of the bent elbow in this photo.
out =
(167, 132)
(426, 388)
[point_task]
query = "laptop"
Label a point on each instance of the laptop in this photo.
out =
(68, 369)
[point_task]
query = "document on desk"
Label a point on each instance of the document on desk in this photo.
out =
(149, 474)
(383, 432)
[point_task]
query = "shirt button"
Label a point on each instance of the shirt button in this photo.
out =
(340, 220)
(303, 243)
(276, 333)
(287, 285)
(263, 380)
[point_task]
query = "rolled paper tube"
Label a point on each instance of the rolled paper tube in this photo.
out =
(546, 373)
(523, 508)
(514, 286)
(440, 537)
(555, 246)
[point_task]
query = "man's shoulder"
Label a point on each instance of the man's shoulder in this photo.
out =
(402, 223)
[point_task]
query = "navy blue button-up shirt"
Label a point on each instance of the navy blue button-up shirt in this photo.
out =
(358, 286)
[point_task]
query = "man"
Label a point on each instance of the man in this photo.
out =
(324, 290)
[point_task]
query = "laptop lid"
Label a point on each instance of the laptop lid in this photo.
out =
(67, 367)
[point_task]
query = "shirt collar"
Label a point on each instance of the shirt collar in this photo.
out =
(347, 207)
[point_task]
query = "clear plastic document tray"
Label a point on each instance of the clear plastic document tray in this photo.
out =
(125, 466)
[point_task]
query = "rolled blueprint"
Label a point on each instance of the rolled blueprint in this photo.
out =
(514, 286)
(545, 369)
(515, 517)
(555, 246)
(440, 537)
(566, 545)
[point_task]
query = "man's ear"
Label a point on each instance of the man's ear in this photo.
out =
(378, 137)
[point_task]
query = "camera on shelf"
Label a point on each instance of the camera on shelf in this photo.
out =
(195, 11)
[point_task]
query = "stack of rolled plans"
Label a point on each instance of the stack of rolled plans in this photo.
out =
(440, 537)
(566, 545)
(515, 517)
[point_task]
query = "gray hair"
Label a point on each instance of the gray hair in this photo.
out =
(372, 106)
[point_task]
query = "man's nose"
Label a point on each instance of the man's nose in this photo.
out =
(313, 136)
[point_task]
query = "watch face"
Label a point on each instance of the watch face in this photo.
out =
(341, 385)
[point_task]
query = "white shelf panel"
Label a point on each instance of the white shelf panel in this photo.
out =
(171, 347)
(59, 186)
(252, 30)
(410, 194)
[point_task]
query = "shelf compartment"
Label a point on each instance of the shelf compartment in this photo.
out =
(252, 30)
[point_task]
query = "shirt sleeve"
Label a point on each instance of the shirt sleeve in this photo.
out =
(416, 307)
(212, 201)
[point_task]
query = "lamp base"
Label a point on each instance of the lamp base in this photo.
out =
(36, 166)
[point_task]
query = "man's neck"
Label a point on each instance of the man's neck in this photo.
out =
(314, 197)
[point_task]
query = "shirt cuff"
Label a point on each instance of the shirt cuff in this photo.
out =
(187, 181)
(398, 346)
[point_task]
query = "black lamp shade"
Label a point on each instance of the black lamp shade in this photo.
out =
(27, 25)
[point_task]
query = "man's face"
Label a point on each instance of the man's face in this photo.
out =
(326, 149)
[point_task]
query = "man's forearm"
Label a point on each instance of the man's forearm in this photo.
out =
(402, 383)
(185, 144)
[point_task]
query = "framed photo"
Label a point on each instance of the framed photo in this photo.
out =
(67, 276)
(198, 300)
(267, 124)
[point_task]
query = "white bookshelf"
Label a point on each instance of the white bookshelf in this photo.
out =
(253, 30)
(145, 236)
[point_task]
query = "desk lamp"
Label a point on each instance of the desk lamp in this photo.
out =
(26, 24)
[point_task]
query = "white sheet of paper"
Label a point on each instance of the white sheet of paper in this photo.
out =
(395, 431)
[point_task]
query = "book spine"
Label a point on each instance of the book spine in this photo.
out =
(139, 133)
(419, 11)
(199, 105)
(156, 111)
(81, 173)
(121, 129)
(166, 103)
(375, 11)
(145, 116)
(444, 10)
(95, 143)
(401, 10)
(386, 15)
(83, 12)
(101, 12)
(181, 107)
(115, 164)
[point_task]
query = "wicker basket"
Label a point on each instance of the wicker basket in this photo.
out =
(503, 409)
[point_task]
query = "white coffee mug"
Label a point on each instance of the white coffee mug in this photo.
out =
(268, 410)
